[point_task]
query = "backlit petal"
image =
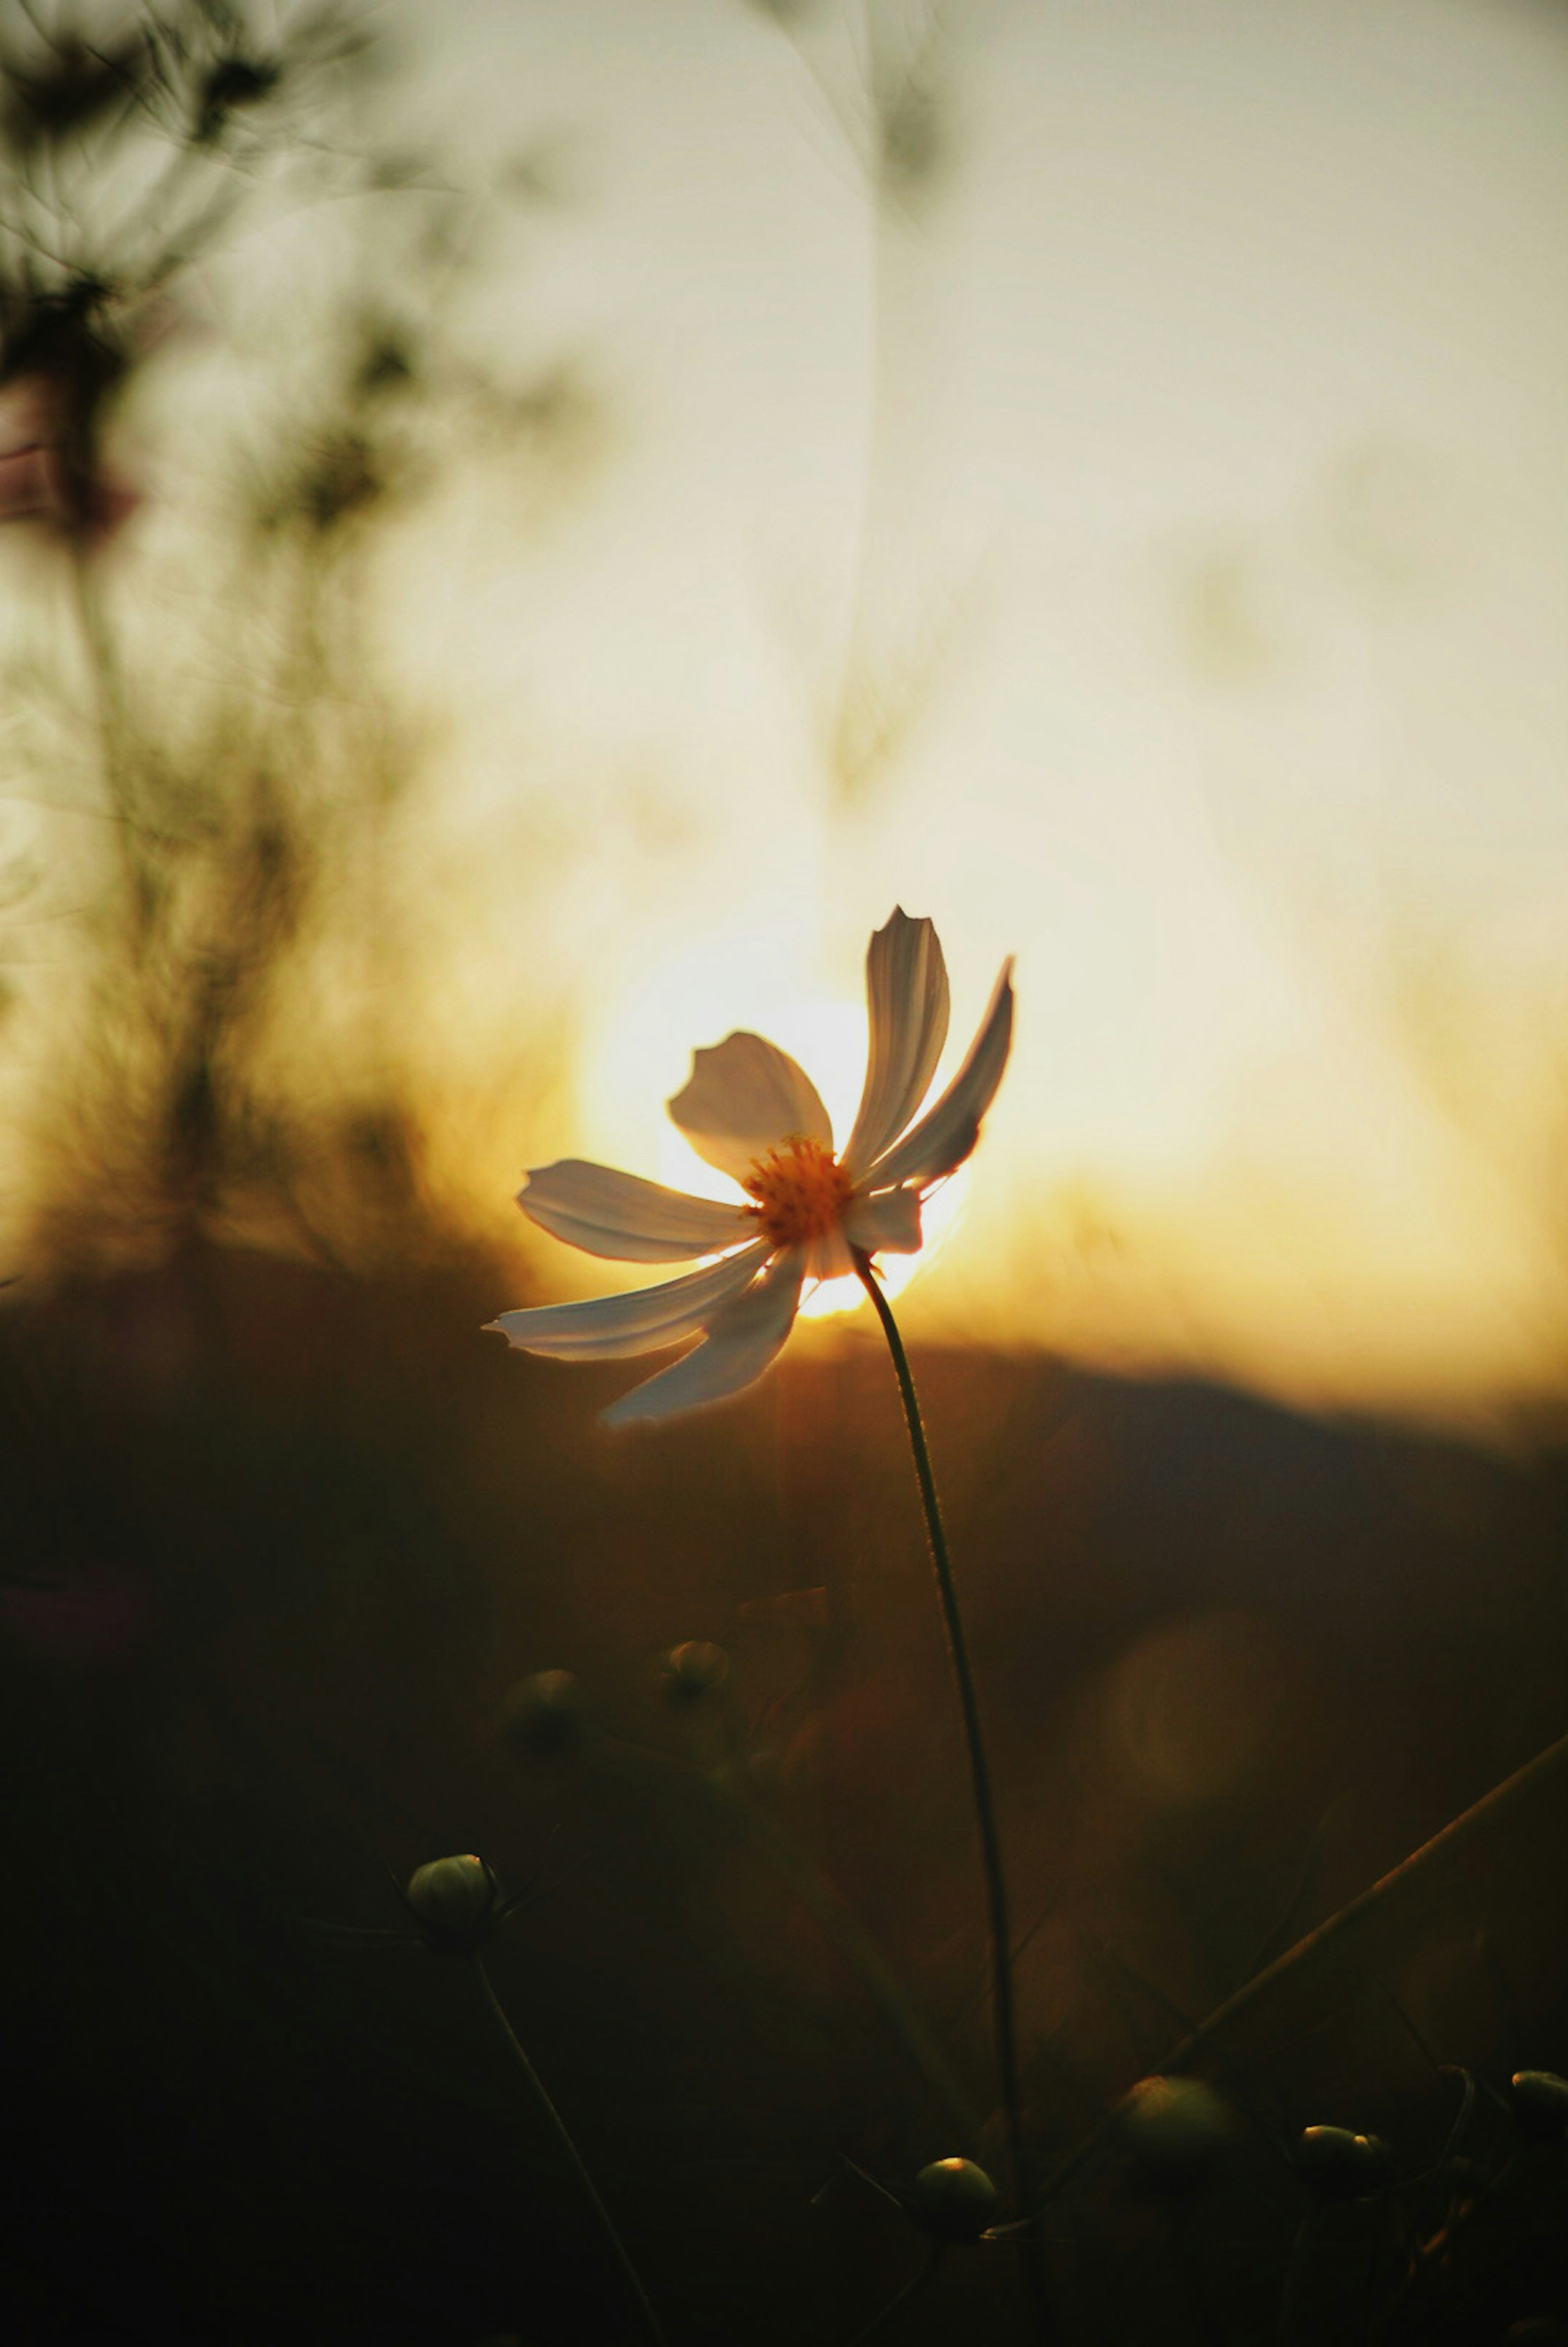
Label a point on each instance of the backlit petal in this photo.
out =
(609, 1327)
(745, 1097)
(887, 1225)
(742, 1338)
(828, 1256)
(906, 1007)
(947, 1133)
(607, 1212)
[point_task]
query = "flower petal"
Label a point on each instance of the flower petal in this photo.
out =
(742, 1338)
(619, 1214)
(947, 1133)
(888, 1224)
(609, 1327)
(906, 1004)
(744, 1097)
(828, 1256)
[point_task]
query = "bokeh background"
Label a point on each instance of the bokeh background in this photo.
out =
(525, 532)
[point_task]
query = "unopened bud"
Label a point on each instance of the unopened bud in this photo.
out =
(695, 1671)
(1540, 2104)
(455, 1900)
(543, 1715)
(953, 2201)
(1340, 2166)
(1175, 2129)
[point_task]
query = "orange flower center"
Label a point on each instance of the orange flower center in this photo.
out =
(800, 1192)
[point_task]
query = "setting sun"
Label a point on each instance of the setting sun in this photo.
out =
(826, 1036)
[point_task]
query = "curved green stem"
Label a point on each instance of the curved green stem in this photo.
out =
(604, 2223)
(998, 1928)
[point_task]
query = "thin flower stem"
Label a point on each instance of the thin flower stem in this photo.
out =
(728, 1792)
(999, 1930)
(1293, 2289)
(856, 1946)
(605, 2224)
(901, 2298)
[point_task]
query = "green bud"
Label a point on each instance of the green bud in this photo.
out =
(695, 1671)
(543, 1715)
(953, 2201)
(1175, 2129)
(1339, 2166)
(455, 1900)
(1540, 2104)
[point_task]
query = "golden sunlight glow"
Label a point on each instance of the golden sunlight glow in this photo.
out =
(939, 1218)
(828, 1038)
(1127, 589)
(634, 1065)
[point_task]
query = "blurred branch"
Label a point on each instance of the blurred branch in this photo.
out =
(246, 808)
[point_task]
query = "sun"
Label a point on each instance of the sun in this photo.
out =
(825, 1034)
(829, 1039)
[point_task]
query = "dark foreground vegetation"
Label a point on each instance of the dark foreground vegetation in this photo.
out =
(287, 1552)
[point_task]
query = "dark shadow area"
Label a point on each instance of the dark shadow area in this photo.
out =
(282, 1545)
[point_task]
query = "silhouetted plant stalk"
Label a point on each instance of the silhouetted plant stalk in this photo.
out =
(604, 2223)
(917, 2281)
(458, 1905)
(115, 749)
(1339, 1926)
(726, 1786)
(998, 1931)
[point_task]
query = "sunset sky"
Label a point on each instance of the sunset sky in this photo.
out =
(1133, 532)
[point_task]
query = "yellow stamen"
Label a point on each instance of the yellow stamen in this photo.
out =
(800, 1192)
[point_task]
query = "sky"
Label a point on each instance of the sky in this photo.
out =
(1133, 531)
(1178, 472)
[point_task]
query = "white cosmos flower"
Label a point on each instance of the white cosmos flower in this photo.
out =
(752, 1112)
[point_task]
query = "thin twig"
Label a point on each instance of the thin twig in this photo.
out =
(546, 2110)
(727, 1789)
(901, 2298)
(1459, 1829)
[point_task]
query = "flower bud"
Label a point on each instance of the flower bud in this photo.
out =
(455, 1900)
(543, 1715)
(695, 1671)
(953, 2201)
(1175, 2129)
(1339, 2166)
(1540, 2104)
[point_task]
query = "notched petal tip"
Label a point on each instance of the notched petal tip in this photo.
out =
(948, 1132)
(745, 1096)
(907, 1007)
